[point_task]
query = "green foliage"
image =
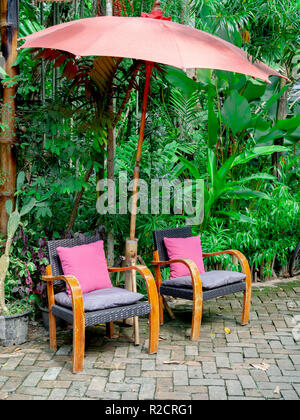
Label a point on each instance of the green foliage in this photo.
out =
(219, 126)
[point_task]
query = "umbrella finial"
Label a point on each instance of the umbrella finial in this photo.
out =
(156, 12)
(156, 6)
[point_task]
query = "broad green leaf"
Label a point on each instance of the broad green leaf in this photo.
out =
(255, 152)
(294, 134)
(212, 170)
(236, 112)
(272, 135)
(179, 79)
(245, 193)
(191, 167)
(238, 216)
(255, 176)
(28, 207)
(288, 124)
(259, 123)
(274, 98)
(225, 168)
(254, 90)
(9, 206)
(204, 76)
(13, 224)
(20, 180)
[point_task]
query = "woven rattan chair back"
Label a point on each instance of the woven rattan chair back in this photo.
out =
(53, 255)
(159, 235)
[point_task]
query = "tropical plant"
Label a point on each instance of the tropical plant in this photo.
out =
(14, 222)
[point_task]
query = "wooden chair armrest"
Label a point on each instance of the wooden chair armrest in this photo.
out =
(148, 278)
(195, 275)
(71, 281)
(76, 293)
(241, 258)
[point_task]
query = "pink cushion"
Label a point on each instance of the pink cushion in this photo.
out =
(184, 248)
(87, 263)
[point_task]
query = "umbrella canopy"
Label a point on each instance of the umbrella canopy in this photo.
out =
(154, 40)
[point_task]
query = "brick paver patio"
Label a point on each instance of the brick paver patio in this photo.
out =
(257, 361)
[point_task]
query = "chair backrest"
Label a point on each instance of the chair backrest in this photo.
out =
(159, 235)
(53, 245)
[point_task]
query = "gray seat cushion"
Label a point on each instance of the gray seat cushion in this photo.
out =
(209, 279)
(101, 299)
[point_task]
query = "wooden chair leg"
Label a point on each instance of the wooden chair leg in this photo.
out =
(110, 329)
(161, 309)
(246, 306)
(78, 344)
(52, 331)
(52, 320)
(196, 321)
(153, 331)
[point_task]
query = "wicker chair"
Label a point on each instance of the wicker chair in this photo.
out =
(81, 319)
(196, 293)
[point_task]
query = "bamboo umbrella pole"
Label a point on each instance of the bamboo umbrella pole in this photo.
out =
(131, 242)
(149, 68)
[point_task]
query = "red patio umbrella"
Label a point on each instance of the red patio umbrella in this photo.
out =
(152, 38)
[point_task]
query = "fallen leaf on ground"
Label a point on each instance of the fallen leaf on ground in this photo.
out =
(277, 390)
(173, 362)
(161, 338)
(227, 330)
(261, 366)
(192, 363)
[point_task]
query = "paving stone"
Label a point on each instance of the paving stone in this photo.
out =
(217, 393)
(250, 352)
(129, 396)
(172, 396)
(147, 391)
(33, 379)
(116, 376)
(247, 382)
(295, 359)
(97, 384)
(133, 370)
(51, 374)
(222, 362)
(289, 395)
(57, 394)
(34, 391)
(209, 367)
(148, 365)
(234, 388)
(11, 385)
(180, 378)
(78, 388)
(285, 364)
(195, 372)
(235, 358)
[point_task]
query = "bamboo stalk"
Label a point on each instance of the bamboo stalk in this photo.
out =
(9, 34)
